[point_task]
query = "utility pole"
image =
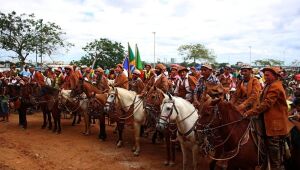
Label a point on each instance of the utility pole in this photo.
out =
(154, 48)
(41, 39)
(250, 55)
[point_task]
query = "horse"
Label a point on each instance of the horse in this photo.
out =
(78, 103)
(96, 103)
(227, 134)
(153, 101)
(122, 100)
(46, 97)
(19, 99)
(185, 115)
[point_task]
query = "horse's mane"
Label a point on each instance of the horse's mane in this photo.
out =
(122, 90)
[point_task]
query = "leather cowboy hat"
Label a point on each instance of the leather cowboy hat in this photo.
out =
(246, 66)
(207, 65)
(160, 66)
(58, 70)
(180, 69)
(274, 69)
(69, 67)
(99, 69)
(148, 65)
(136, 72)
(120, 65)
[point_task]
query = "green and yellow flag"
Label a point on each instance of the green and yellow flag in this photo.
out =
(138, 64)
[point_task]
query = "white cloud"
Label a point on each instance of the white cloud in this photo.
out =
(228, 27)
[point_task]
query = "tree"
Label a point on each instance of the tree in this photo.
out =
(197, 52)
(106, 52)
(270, 62)
(24, 34)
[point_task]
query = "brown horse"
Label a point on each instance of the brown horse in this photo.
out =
(19, 97)
(227, 134)
(153, 101)
(96, 105)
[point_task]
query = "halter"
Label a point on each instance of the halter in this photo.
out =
(166, 119)
(111, 105)
(207, 132)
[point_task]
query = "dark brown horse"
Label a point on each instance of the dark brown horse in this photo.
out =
(227, 134)
(19, 97)
(153, 101)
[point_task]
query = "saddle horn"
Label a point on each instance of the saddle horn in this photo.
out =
(170, 96)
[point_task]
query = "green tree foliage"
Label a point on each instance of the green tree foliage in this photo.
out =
(24, 34)
(268, 62)
(197, 52)
(106, 52)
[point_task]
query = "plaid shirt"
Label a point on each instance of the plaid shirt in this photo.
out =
(201, 85)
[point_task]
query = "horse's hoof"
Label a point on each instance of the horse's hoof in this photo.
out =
(58, 132)
(166, 163)
(43, 127)
(133, 149)
(120, 144)
(136, 153)
(73, 124)
(49, 128)
(171, 163)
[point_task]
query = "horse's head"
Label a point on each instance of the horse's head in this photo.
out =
(214, 90)
(111, 99)
(78, 88)
(168, 114)
(154, 99)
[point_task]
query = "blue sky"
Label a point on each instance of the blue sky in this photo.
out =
(229, 27)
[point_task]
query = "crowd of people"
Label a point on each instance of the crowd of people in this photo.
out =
(271, 93)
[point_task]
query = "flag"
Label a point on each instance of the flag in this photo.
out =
(138, 64)
(131, 59)
(126, 63)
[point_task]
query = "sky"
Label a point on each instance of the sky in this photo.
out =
(237, 30)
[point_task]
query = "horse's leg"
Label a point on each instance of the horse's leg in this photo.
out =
(184, 157)
(154, 137)
(168, 147)
(44, 117)
(49, 118)
(74, 118)
(102, 133)
(54, 116)
(137, 128)
(79, 118)
(120, 126)
(87, 123)
(195, 152)
(20, 117)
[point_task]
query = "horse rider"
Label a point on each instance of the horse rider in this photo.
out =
(59, 79)
(185, 85)
(36, 77)
(247, 90)
(136, 84)
(195, 73)
(70, 80)
(101, 80)
(88, 75)
(207, 76)
(173, 78)
(226, 79)
(159, 80)
(273, 110)
(148, 73)
(13, 71)
(120, 80)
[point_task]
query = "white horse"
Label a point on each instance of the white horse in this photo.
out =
(179, 110)
(127, 99)
(70, 104)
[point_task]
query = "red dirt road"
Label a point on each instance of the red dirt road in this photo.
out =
(36, 148)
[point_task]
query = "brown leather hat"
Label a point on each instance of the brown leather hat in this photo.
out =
(182, 69)
(207, 65)
(160, 66)
(276, 70)
(120, 65)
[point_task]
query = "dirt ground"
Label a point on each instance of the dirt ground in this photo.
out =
(36, 148)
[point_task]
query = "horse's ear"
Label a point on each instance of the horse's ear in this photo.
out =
(170, 96)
